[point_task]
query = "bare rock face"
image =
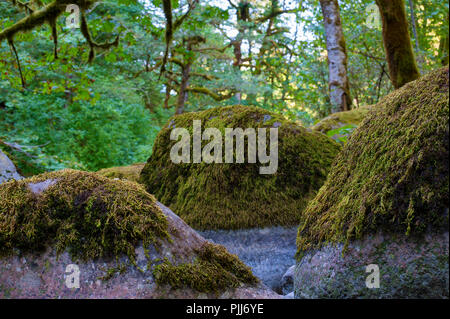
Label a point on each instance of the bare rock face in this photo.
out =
(287, 281)
(50, 273)
(7, 169)
(408, 268)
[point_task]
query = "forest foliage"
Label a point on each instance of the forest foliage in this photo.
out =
(63, 110)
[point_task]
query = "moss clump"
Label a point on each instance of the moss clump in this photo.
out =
(130, 173)
(340, 119)
(340, 126)
(214, 270)
(237, 196)
(88, 215)
(392, 175)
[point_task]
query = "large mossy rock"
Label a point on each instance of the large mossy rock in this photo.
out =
(123, 242)
(237, 196)
(8, 170)
(385, 202)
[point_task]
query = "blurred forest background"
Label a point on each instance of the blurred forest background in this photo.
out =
(61, 106)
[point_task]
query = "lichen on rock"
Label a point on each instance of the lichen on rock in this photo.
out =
(236, 196)
(7, 169)
(406, 268)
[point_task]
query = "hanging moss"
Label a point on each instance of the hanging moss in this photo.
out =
(236, 196)
(214, 270)
(393, 173)
(130, 173)
(88, 215)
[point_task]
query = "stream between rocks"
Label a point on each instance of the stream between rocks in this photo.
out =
(268, 251)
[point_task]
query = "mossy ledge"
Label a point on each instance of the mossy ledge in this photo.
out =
(214, 270)
(392, 175)
(236, 196)
(86, 214)
(130, 173)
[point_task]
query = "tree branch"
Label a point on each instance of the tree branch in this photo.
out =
(215, 96)
(11, 43)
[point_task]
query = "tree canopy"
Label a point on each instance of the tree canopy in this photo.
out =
(96, 95)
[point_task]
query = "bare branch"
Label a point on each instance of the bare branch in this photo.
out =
(13, 48)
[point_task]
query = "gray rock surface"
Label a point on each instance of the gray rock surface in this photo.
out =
(408, 268)
(7, 169)
(287, 281)
(43, 275)
(268, 251)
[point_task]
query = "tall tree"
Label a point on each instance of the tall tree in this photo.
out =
(397, 42)
(444, 47)
(414, 24)
(339, 87)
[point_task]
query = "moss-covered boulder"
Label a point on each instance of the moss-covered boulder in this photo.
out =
(122, 242)
(237, 196)
(130, 173)
(385, 201)
(339, 126)
(7, 169)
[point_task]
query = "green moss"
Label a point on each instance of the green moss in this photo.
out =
(130, 173)
(88, 215)
(340, 126)
(340, 119)
(214, 270)
(236, 196)
(111, 272)
(392, 175)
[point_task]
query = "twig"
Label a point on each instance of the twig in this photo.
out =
(11, 43)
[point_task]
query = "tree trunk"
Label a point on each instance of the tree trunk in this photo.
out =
(444, 48)
(183, 93)
(167, 95)
(337, 57)
(414, 25)
(242, 16)
(186, 71)
(397, 42)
